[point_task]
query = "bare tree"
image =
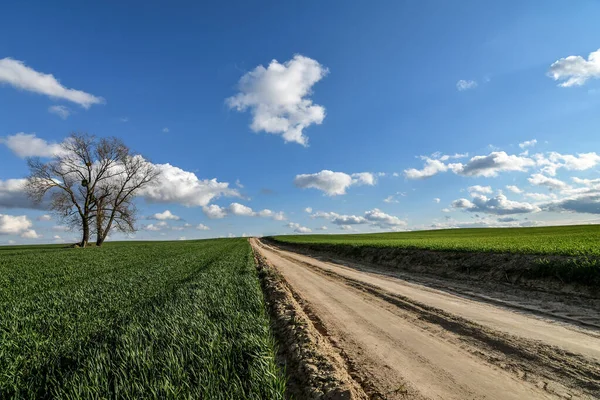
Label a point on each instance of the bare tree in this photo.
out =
(91, 183)
(114, 202)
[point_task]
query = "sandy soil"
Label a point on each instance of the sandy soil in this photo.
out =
(405, 339)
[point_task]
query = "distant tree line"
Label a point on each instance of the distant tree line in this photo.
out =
(91, 184)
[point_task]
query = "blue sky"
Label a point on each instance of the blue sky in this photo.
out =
(364, 102)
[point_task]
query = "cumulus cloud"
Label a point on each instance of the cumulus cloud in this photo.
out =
(542, 180)
(240, 209)
(575, 70)
(29, 145)
(214, 211)
(480, 189)
(202, 227)
(266, 213)
(44, 217)
(299, 228)
(12, 195)
(383, 220)
(492, 164)
(61, 111)
(486, 166)
(437, 200)
(498, 205)
(277, 97)
(514, 189)
(374, 217)
(20, 76)
(308, 209)
(431, 168)
(165, 215)
(528, 143)
(175, 185)
(552, 161)
(587, 204)
(463, 85)
(14, 224)
(333, 183)
(30, 234)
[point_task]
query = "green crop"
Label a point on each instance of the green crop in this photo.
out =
(178, 320)
(557, 240)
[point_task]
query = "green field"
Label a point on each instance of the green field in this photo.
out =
(559, 240)
(178, 320)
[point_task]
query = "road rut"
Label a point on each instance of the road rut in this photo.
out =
(405, 340)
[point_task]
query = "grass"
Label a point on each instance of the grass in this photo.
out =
(579, 240)
(169, 320)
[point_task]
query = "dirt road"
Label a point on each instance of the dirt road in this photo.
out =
(405, 340)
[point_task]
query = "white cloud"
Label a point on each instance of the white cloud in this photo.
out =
(308, 209)
(30, 234)
(153, 227)
(202, 227)
(363, 178)
(333, 183)
(44, 217)
(175, 185)
(277, 97)
(165, 130)
(575, 70)
(528, 143)
(436, 200)
(240, 209)
(585, 204)
(383, 220)
(20, 76)
(486, 166)
(348, 220)
(165, 215)
(322, 228)
(61, 111)
(124, 119)
(266, 213)
(61, 228)
(14, 224)
(299, 228)
(463, 85)
(431, 168)
(514, 189)
(374, 217)
(12, 195)
(480, 189)
(498, 205)
(213, 211)
(551, 162)
(542, 180)
(29, 145)
(492, 164)
(239, 184)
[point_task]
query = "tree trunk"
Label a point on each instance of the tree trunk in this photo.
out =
(99, 241)
(86, 233)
